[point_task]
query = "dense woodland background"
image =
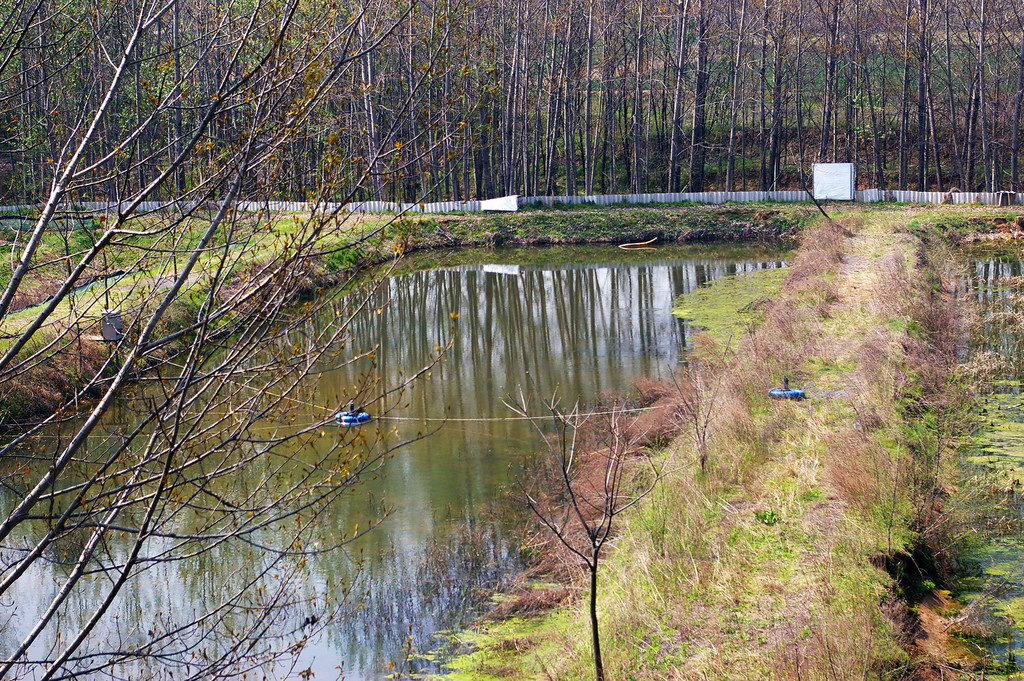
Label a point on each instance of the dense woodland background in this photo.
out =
(477, 98)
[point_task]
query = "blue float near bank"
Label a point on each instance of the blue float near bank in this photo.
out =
(352, 417)
(787, 393)
(791, 394)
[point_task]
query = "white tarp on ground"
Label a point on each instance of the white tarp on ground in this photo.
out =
(834, 181)
(504, 203)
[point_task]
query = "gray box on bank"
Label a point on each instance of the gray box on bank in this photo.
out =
(835, 181)
(110, 325)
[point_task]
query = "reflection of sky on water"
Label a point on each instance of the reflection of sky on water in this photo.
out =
(583, 329)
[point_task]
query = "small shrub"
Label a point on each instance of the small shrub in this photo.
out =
(768, 517)
(343, 259)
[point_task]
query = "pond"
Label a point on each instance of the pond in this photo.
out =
(579, 322)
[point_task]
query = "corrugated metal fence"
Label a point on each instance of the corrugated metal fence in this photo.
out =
(862, 196)
(272, 206)
(683, 197)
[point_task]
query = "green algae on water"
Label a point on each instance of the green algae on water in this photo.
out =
(994, 571)
(730, 305)
(495, 649)
(999, 443)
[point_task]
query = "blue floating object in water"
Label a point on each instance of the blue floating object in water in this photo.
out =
(351, 418)
(787, 394)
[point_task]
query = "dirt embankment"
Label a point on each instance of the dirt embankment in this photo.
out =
(684, 224)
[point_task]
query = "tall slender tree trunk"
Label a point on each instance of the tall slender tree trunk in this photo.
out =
(730, 171)
(831, 59)
(552, 116)
(609, 123)
(922, 119)
(588, 143)
(675, 153)
(179, 173)
(799, 98)
(958, 159)
(526, 171)
(370, 111)
(905, 101)
(448, 153)
(985, 151)
(637, 118)
(762, 109)
(511, 108)
(775, 153)
(698, 152)
(936, 150)
(876, 142)
(970, 132)
(485, 183)
(1018, 100)
(568, 115)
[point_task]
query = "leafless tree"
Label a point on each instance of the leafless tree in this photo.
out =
(595, 484)
(215, 373)
(699, 389)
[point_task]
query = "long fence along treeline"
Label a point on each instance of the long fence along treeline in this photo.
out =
(468, 99)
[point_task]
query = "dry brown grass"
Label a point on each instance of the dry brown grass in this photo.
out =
(525, 601)
(985, 367)
(855, 467)
(877, 357)
(821, 249)
(893, 284)
(46, 384)
(649, 390)
(40, 290)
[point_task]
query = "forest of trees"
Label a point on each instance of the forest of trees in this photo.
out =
(462, 99)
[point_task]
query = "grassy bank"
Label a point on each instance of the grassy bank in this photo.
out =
(810, 545)
(619, 225)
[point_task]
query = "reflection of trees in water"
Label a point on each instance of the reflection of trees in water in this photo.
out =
(422, 593)
(997, 285)
(586, 329)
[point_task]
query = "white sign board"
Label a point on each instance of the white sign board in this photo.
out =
(505, 203)
(834, 181)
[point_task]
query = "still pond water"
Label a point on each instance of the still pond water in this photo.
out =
(583, 321)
